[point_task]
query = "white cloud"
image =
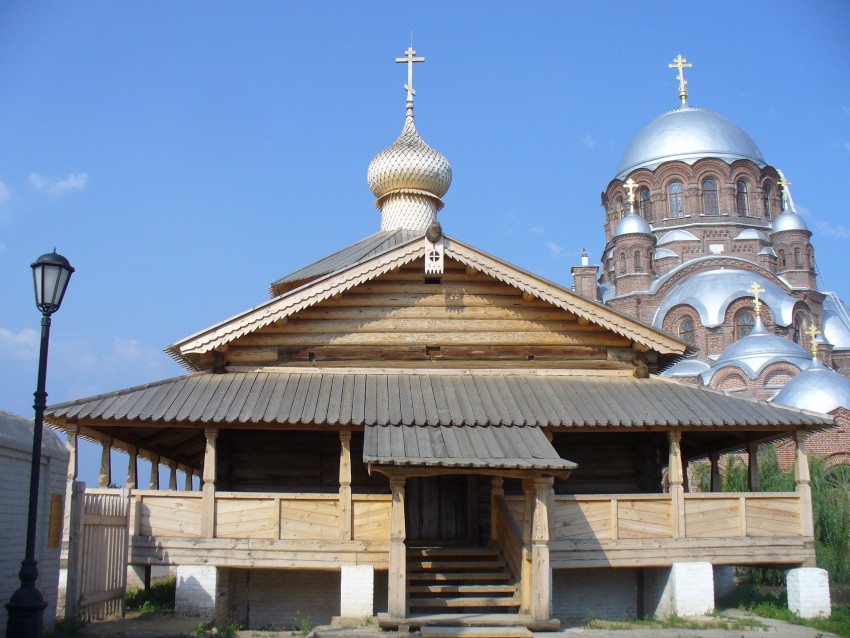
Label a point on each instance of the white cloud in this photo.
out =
(538, 229)
(4, 193)
(59, 187)
(587, 140)
(839, 231)
(555, 250)
(22, 346)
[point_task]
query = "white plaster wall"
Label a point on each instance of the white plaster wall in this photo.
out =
(684, 589)
(197, 590)
(608, 593)
(15, 455)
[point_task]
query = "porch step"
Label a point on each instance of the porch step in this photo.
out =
(467, 602)
(462, 589)
(446, 565)
(476, 576)
(475, 632)
(454, 621)
(452, 551)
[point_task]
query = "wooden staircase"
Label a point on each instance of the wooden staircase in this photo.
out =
(460, 580)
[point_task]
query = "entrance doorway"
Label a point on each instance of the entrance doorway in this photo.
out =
(441, 510)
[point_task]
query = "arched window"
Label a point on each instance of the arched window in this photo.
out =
(745, 321)
(811, 254)
(685, 329)
(742, 203)
(638, 262)
(799, 327)
(768, 193)
(676, 199)
(709, 197)
(798, 258)
(622, 263)
(780, 258)
(619, 208)
(644, 206)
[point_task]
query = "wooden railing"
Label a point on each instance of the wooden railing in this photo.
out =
(507, 535)
(253, 515)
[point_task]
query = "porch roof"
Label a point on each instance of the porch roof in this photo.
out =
(363, 397)
(514, 447)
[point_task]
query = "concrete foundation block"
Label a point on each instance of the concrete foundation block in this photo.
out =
(197, 591)
(808, 592)
(685, 589)
(357, 587)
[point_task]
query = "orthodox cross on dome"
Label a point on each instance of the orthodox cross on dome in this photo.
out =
(756, 290)
(681, 63)
(813, 332)
(408, 59)
(631, 186)
(787, 200)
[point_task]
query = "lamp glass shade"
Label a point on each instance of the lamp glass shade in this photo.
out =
(51, 273)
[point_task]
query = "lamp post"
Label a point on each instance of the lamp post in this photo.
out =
(51, 273)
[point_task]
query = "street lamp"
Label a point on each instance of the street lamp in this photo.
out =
(51, 273)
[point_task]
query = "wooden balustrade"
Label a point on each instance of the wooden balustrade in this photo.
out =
(507, 534)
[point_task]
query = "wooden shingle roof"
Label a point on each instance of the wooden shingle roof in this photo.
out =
(345, 397)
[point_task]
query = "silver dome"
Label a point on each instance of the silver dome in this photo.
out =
(752, 233)
(836, 321)
(688, 134)
(756, 351)
(788, 220)
(677, 235)
(685, 368)
(818, 388)
(767, 250)
(631, 224)
(710, 293)
(662, 253)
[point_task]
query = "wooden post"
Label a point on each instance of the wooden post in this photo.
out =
(675, 478)
(525, 578)
(397, 604)
(72, 431)
(73, 584)
(208, 498)
(345, 507)
(541, 570)
(154, 482)
(753, 466)
(187, 480)
(716, 481)
(497, 492)
(804, 488)
(133, 469)
(172, 477)
(105, 477)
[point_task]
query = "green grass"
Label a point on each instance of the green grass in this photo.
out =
(714, 621)
(158, 599)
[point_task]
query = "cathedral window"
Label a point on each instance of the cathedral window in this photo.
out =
(811, 255)
(622, 263)
(619, 208)
(799, 328)
(676, 199)
(780, 258)
(685, 330)
(768, 193)
(638, 262)
(745, 321)
(742, 203)
(644, 206)
(709, 197)
(798, 258)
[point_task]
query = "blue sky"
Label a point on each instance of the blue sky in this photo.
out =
(184, 155)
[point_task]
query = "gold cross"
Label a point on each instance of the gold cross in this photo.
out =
(630, 186)
(681, 63)
(787, 200)
(756, 290)
(813, 332)
(408, 59)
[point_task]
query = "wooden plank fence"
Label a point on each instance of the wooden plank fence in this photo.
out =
(97, 552)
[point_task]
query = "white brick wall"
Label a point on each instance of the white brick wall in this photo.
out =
(357, 587)
(684, 589)
(608, 594)
(15, 455)
(273, 597)
(808, 592)
(197, 590)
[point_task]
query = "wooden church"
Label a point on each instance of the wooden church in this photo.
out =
(416, 429)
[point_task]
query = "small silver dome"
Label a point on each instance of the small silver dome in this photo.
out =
(751, 233)
(688, 134)
(818, 388)
(677, 235)
(836, 321)
(632, 224)
(663, 253)
(756, 351)
(710, 292)
(788, 220)
(685, 368)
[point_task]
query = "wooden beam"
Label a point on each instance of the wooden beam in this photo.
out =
(133, 470)
(675, 477)
(345, 507)
(208, 498)
(104, 479)
(541, 570)
(154, 482)
(172, 475)
(803, 478)
(753, 466)
(397, 603)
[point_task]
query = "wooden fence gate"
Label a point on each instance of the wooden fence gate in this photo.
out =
(97, 552)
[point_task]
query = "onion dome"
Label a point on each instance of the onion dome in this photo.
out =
(788, 219)
(409, 178)
(756, 351)
(633, 224)
(688, 134)
(818, 388)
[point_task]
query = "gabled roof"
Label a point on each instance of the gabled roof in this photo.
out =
(358, 272)
(340, 397)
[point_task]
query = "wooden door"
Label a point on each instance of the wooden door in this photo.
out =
(439, 510)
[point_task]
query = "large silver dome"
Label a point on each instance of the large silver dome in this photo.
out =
(818, 388)
(836, 321)
(756, 351)
(688, 134)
